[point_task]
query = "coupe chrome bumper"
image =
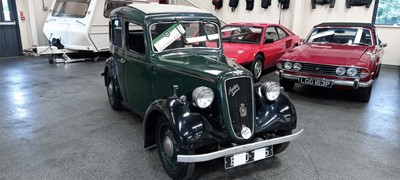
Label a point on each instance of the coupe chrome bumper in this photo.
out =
(237, 149)
(356, 83)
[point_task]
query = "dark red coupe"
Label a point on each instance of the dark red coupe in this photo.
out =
(257, 46)
(335, 54)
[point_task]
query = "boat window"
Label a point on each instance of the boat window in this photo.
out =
(70, 8)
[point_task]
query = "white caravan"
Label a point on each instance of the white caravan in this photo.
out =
(78, 27)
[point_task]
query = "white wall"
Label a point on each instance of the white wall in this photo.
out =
(27, 33)
(299, 18)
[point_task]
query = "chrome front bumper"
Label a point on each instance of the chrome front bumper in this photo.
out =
(356, 83)
(237, 149)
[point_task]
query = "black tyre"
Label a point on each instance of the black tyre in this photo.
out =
(281, 147)
(364, 94)
(51, 59)
(313, 4)
(287, 85)
(332, 4)
(348, 4)
(168, 151)
(368, 3)
(113, 93)
(257, 67)
(378, 70)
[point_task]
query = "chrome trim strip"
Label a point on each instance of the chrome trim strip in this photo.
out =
(237, 149)
(335, 82)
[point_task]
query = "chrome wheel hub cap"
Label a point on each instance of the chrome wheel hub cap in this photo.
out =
(168, 146)
(257, 69)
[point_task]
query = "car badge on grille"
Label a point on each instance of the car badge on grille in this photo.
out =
(237, 72)
(317, 68)
(242, 110)
(233, 90)
(246, 132)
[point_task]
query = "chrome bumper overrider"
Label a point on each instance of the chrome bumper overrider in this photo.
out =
(237, 149)
(356, 83)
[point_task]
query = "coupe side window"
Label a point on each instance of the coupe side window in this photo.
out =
(135, 38)
(270, 33)
(282, 34)
(117, 33)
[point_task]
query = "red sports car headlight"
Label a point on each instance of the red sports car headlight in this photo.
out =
(288, 65)
(351, 71)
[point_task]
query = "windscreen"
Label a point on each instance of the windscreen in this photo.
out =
(70, 8)
(242, 34)
(346, 36)
(184, 34)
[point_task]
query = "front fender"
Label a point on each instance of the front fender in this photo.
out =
(274, 115)
(187, 127)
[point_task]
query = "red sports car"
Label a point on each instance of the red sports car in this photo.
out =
(335, 54)
(257, 46)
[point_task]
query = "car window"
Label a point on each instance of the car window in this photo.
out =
(345, 36)
(282, 34)
(116, 33)
(111, 5)
(184, 34)
(270, 33)
(135, 38)
(241, 34)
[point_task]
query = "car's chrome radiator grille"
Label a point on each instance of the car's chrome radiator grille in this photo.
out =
(239, 93)
(318, 69)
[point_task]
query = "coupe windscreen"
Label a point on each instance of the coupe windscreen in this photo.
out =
(184, 34)
(347, 36)
(242, 34)
(70, 8)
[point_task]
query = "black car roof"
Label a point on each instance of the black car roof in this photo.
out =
(346, 24)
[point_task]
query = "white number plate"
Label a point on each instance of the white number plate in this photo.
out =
(248, 157)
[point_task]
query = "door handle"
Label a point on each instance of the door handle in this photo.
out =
(122, 60)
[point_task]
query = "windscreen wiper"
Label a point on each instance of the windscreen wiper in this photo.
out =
(179, 24)
(204, 30)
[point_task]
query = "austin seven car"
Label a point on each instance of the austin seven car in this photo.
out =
(196, 104)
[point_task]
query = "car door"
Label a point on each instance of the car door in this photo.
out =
(284, 42)
(117, 52)
(271, 46)
(137, 69)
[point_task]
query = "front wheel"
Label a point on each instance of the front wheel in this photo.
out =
(364, 94)
(168, 151)
(378, 70)
(257, 67)
(281, 147)
(113, 93)
(287, 85)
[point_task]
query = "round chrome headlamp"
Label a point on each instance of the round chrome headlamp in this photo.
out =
(202, 96)
(272, 90)
(288, 65)
(297, 66)
(351, 71)
(340, 71)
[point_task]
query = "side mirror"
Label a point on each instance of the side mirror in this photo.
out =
(268, 41)
(383, 44)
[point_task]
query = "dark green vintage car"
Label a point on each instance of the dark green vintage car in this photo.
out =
(167, 65)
